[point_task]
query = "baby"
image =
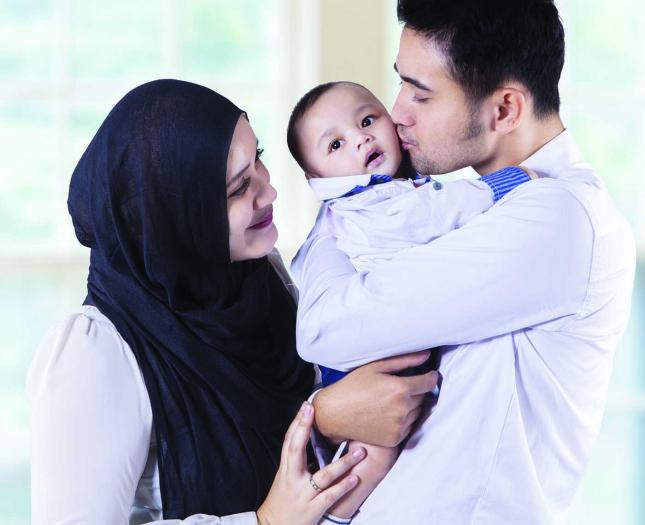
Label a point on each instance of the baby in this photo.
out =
(375, 205)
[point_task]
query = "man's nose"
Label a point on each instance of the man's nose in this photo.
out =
(401, 114)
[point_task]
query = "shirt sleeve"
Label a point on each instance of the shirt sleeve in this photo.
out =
(523, 262)
(90, 425)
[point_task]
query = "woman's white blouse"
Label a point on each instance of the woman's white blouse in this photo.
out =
(94, 458)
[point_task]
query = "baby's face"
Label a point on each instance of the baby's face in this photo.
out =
(348, 132)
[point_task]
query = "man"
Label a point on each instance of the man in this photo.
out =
(528, 301)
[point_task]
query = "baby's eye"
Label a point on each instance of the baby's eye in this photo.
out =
(334, 145)
(367, 121)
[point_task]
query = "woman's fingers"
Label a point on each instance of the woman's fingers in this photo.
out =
(325, 499)
(287, 437)
(327, 476)
(295, 448)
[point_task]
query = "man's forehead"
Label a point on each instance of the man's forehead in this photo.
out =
(420, 54)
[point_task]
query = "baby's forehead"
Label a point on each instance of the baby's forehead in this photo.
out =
(353, 94)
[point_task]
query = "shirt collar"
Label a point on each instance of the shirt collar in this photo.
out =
(335, 187)
(560, 158)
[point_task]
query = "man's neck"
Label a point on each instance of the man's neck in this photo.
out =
(516, 147)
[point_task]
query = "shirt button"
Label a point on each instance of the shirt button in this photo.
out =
(437, 185)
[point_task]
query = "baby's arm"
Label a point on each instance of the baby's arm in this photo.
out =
(370, 472)
(430, 211)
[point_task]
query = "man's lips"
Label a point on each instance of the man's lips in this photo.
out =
(264, 221)
(405, 143)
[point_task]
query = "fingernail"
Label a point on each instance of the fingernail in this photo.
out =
(353, 479)
(359, 453)
(308, 410)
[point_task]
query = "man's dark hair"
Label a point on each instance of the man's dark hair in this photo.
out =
(303, 105)
(488, 42)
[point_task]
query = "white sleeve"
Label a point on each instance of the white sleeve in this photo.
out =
(375, 225)
(90, 426)
(525, 261)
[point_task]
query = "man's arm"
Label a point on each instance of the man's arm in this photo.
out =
(524, 262)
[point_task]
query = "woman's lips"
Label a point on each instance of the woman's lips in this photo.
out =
(263, 222)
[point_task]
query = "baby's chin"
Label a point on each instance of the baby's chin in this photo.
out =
(387, 168)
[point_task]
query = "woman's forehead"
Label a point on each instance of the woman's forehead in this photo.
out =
(243, 146)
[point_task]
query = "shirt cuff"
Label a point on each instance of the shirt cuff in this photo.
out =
(505, 180)
(328, 519)
(323, 449)
(245, 518)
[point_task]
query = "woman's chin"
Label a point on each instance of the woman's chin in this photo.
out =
(259, 243)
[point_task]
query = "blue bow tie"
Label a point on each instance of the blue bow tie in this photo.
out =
(374, 180)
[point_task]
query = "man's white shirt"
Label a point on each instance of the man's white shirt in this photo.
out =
(528, 301)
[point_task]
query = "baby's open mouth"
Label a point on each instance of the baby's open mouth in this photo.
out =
(374, 158)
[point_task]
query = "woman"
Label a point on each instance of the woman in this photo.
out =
(170, 393)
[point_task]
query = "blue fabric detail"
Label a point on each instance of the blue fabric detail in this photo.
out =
(374, 180)
(329, 376)
(504, 180)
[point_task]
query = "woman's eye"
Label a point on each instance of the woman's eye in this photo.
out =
(334, 145)
(419, 100)
(367, 121)
(258, 153)
(242, 189)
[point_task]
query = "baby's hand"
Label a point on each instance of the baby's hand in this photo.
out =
(370, 471)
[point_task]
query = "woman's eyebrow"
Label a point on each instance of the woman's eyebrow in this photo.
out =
(238, 175)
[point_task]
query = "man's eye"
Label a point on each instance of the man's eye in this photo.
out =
(242, 189)
(368, 121)
(419, 100)
(258, 153)
(334, 145)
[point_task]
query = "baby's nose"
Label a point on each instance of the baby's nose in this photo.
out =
(364, 139)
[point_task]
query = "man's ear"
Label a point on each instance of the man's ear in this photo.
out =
(510, 105)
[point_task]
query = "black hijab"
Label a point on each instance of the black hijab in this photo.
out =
(215, 340)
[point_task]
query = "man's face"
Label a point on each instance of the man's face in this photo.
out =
(348, 132)
(434, 119)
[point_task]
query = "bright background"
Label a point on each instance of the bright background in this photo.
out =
(64, 64)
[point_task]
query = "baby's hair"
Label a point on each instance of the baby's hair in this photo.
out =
(303, 105)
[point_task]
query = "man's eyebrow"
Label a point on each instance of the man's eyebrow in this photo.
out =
(241, 172)
(412, 81)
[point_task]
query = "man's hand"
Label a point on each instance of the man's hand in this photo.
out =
(372, 405)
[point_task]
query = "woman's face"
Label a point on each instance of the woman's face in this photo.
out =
(252, 233)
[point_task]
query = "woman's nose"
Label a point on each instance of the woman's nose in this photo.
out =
(266, 193)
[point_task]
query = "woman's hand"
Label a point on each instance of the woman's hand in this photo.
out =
(296, 497)
(372, 404)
